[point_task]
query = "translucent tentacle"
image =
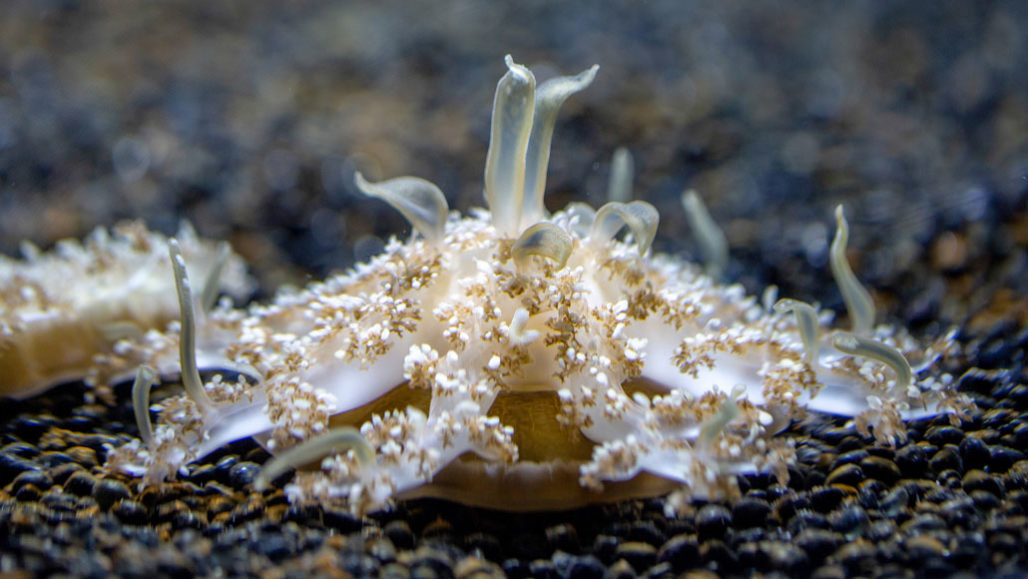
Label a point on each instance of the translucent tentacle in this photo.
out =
(187, 334)
(545, 240)
(806, 321)
(513, 108)
(640, 217)
(420, 202)
(867, 348)
(622, 172)
(145, 378)
(548, 99)
(335, 440)
(859, 304)
(713, 244)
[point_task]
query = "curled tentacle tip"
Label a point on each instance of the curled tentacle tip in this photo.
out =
(336, 440)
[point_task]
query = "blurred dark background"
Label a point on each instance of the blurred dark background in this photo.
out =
(248, 118)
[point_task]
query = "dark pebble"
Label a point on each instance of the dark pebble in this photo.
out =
(274, 546)
(541, 568)
(166, 512)
(202, 473)
(30, 428)
(11, 465)
(784, 557)
(985, 501)
(83, 455)
(359, 565)
(859, 558)
(28, 493)
(640, 556)
(248, 510)
(484, 544)
(646, 532)
(750, 512)
(1020, 436)
(912, 461)
(947, 458)
(80, 483)
(36, 478)
(400, 534)
(721, 556)
(968, 551)
(807, 520)
(974, 452)
(789, 505)
(826, 499)
(439, 530)
(604, 547)
(851, 521)
(818, 543)
(223, 467)
(129, 512)
(52, 459)
(382, 549)
(63, 472)
(340, 520)
(563, 537)
(109, 491)
(587, 567)
(515, 569)
(242, 474)
(847, 474)
(851, 457)
(943, 435)
(998, 418)
(923, 523)
(922, 548)
(621, 569)
(960, 513)
(880, 468)
(681, 551)
(1003, 457)
(983, 481)
(712, 522)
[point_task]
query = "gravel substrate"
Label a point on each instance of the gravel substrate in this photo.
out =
(248, 119)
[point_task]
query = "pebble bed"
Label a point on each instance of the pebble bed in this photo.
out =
(248, 119)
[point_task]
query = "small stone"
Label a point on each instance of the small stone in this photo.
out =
(83, 455)
(109, 491)
(826, 499)
(640, 556)
(1004, 457)
(881, 469)
(851, 521)
(912, 461)
(981, 480)
(587, 567)
(712, 522)
(947, 458)
(943, 435)
(129, 512)
(818, 543)
(563, 537)
(400, 534)
(974, 452)
(681, 551)
(749, 512)
(485, 545)
(36, 478)
(242, 474)
(847, 474)
(80, 483)
(923, 547)
(621, 569)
